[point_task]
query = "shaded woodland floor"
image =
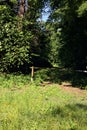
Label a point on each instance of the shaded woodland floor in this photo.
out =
(70, 77)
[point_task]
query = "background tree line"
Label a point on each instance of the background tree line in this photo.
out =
(69, 19)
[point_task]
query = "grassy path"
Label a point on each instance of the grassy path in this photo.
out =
(42, 108)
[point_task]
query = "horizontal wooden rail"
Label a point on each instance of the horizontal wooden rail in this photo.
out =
(34, 67)
(45, 67)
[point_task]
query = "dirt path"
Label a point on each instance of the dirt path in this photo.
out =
(68, 88)
(74, 90)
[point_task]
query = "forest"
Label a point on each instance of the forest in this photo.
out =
(26, 39)
(43, 64)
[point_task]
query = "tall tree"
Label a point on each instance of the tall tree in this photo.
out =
(18, 46)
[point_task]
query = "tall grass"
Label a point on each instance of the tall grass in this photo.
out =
(13, 80)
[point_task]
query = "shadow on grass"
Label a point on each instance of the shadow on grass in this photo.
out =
(56, 75)
(77, 107)
(70, 117)
(73, 109)
(77, 79)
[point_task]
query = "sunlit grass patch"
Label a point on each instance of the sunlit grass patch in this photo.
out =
(13, 81)
(33, 107)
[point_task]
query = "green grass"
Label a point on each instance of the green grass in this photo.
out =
(37, 108)
(26, 106)
(13, 81)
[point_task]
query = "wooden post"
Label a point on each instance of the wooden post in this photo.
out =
(32, 73)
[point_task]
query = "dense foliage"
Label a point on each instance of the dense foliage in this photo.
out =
(26, 41)
(22, 41)
(71, 17)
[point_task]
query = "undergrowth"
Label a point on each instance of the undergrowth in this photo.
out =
(14, 80)
(53, 75)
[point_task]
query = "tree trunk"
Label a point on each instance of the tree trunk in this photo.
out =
(21, 11)
(21, 8)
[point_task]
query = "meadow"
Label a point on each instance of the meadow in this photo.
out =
(31, 106)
